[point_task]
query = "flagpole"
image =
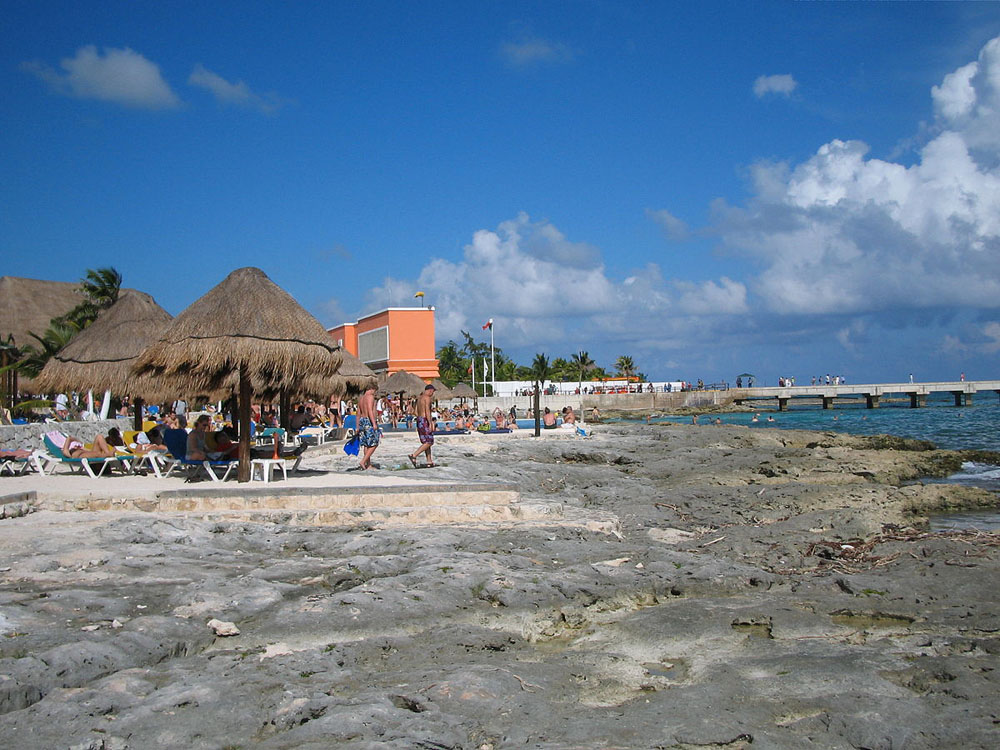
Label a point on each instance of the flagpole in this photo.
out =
(493, 361)
(473, 371)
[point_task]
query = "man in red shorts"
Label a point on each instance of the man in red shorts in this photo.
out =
(425, 426)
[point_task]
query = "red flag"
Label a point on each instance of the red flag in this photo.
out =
(489, 324)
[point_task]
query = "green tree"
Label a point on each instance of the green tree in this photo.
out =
(540, 372)
(451, 365)
(560, 369)
(56, 336)
(582, 364)
(101, 288)
(625, 366)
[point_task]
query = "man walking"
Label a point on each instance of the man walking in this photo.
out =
(368, 435)
(425, 426)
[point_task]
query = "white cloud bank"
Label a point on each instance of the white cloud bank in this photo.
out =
(845, 233)
(844, 244)
(122, 76)
(238, 94)
(540, 287)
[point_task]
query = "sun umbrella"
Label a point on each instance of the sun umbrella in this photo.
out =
(404, 383)
(441, 391)
(246, 325)
(100, 356)
(464, 391)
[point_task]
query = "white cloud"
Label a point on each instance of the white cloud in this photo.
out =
(992, 332)
(238, 94)
(532, 50)
(846, 233)
(673, 227)
(783, 85)
(122, 76)
(542, 289)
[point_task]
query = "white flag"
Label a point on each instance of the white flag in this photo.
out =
(486, 369)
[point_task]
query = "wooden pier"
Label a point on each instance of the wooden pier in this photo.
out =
(962, 391)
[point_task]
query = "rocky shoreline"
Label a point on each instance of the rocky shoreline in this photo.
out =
(762, 588)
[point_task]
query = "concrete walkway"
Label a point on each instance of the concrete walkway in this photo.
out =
(328, 489)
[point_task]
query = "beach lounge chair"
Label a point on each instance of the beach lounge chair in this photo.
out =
(18, 462)
(176, 441)
(52, 457)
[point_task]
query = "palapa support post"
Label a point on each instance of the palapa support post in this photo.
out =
(538, 416)
(137, 418)
(284, 408)
(243, 474)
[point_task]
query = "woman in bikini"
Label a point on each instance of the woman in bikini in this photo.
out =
(73, 448)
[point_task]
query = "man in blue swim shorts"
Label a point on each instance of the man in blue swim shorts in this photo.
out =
(425, 426)
(368, 434)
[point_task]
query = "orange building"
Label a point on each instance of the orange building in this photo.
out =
(397, 338)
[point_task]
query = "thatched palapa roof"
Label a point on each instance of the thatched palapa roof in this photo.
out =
(101, 355)
(247, 320)
(463, 390)
(403, 382)
(441, 391)
(27, 306)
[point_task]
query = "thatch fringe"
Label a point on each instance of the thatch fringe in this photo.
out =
(247, 320)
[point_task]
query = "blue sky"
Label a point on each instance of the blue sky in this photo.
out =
(710, 188)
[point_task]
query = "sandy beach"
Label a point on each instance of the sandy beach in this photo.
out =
(693, 587)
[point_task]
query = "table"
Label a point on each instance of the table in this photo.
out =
(266, 466)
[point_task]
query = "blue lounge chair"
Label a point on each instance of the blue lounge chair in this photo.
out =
(176, 441)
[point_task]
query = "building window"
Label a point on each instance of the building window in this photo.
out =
(373, 346)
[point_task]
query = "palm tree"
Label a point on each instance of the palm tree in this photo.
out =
(100, 288)
(625, 365)
(56, 336)
(583, 364)
(540, 372)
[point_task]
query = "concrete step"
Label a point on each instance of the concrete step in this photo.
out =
(210, 497)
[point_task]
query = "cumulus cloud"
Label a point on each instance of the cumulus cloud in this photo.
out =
(238, 94)
(122, 76)
(782, 85)
(992, 333)
(532, 50)
(673, 227)
(844, 232)
(542, 288)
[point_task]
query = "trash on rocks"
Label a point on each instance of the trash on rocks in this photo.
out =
(222, 628)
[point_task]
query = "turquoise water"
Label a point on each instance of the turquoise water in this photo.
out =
(945, 425)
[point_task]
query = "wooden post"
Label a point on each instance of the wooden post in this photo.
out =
(538, 417)
(243, 474)
(137, 417)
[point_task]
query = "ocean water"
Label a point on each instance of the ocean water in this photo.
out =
(947, 426)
